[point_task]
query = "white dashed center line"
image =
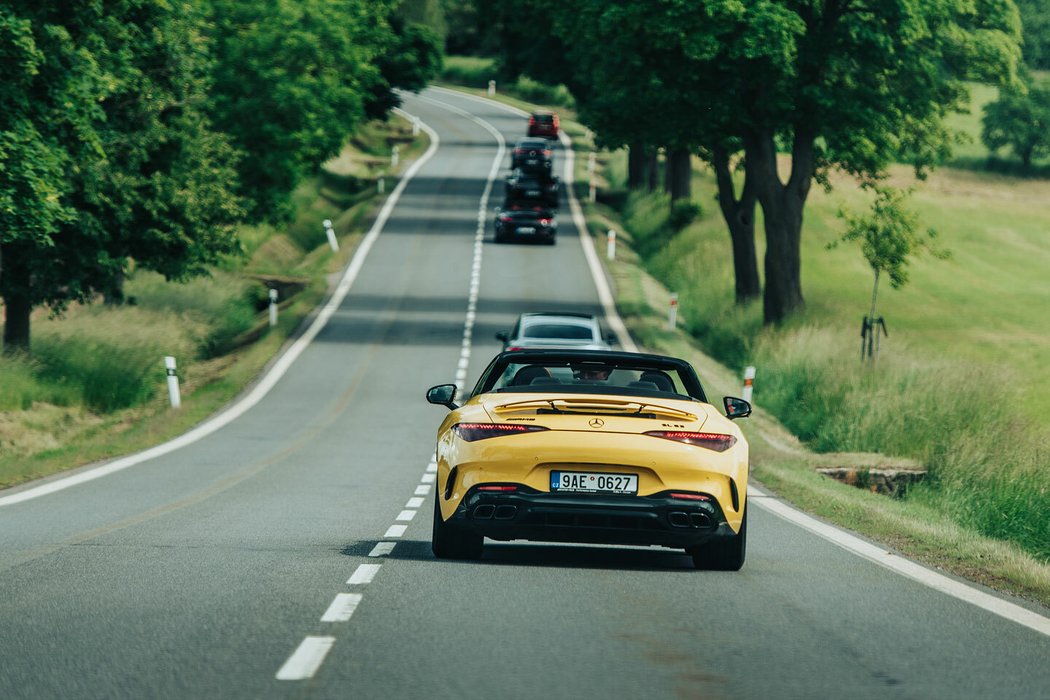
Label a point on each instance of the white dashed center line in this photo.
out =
(395, 530)
(414, 503)
(365, 573)
(304, 661)
(382, 549)
(406, 515)
(423, 489)
(342, 607)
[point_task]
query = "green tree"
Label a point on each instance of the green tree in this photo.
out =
(889, 238)
(50, 91)
(1035, 23)
(847, 85)
(1020, 121)
(291, 80)
(412, 59)
(130, 167)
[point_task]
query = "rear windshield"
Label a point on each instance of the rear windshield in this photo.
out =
(558, 330)
(545, 118)
(587, 378)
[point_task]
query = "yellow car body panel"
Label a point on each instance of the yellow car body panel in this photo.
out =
(572, 443)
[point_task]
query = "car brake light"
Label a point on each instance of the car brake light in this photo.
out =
(505, 218)
(545, 222)
(712, 441)
(547, 153)
(690, 496)
(482, 431)
(504, 488)
(518, 151)
(515, 347)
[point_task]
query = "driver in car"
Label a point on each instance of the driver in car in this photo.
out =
(592, 373)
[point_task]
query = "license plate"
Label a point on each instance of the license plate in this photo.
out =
(532, 193)
(532, 161)
(593, 482)
(526, 229)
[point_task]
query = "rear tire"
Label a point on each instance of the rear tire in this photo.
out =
(726, 554)
(449, 541)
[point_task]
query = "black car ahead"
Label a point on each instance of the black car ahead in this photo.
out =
(523, 187)
(533, 155)
(526, 223)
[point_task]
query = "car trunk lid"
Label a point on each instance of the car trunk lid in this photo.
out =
(590, 413)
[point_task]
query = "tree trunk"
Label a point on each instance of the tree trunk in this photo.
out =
(636, 161)
(782, 207)
(653, 158)
(739, 215)
(17, 305)
(680, 169)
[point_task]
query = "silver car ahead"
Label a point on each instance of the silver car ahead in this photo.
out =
(556, 330)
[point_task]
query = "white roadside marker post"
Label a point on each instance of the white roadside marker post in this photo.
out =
(330, 232)
(273, 308)
(591, 166)
(492, 88)
(395, 156)
(610, 245)
(380, 186)
(415, 126)
(672, 312)
(173, 382)
(749, 382)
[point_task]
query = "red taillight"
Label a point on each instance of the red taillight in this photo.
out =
(532, 121)
(482, 431)
(506, 218)
(545, 222)
(502, 488)
(514, 347)
(519, 151)
(690, 496)
(547, 153)
(712, 441)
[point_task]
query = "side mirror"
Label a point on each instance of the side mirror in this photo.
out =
(736, 408)
(502, 335)
(442, 395)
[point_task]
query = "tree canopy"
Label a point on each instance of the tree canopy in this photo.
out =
(139, 132)
(851, 85)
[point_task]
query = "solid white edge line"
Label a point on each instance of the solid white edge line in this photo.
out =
(900, 565)
(306, 659)
(342, 607)
(908, 568)
(363, 574)
(270, 379)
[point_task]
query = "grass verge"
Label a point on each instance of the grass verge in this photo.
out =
(94, 388)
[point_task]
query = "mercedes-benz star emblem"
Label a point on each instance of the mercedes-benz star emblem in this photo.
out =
(596, 422)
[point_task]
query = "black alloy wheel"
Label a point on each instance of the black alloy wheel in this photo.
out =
(725, 554)
(449, 541)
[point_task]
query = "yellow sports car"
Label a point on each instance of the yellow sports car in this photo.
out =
(591, 446)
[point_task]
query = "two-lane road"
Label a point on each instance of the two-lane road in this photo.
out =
(287, 554)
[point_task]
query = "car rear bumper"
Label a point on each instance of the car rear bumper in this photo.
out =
(528, 514)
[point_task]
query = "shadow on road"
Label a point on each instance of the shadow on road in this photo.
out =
(545, 555)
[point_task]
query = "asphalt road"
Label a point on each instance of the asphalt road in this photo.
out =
(250, 563)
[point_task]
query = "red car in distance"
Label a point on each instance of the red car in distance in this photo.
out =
(543, 124)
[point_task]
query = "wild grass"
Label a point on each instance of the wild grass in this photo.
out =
(94, 385)
(955, 384)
